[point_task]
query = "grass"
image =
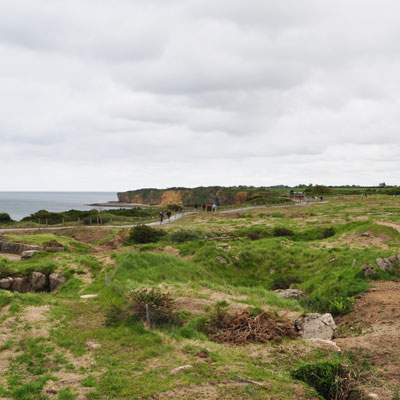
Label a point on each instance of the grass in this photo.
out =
(131, 361)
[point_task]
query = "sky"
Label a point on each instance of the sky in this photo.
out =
(123, 94)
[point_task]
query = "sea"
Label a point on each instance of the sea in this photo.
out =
(22, 204)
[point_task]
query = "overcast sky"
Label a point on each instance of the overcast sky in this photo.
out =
(123, 94)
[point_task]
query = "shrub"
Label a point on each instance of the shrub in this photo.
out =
(329, 378)
(5, 218)
(327, 232)
(175, 207)
(159, 306)
(184, 235)
(282, 231)
(145, 234)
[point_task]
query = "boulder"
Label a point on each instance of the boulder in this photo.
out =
(368, 270)
(289, 293)
(6, 283)
(38, 281)
(221, 259)
(34, 247)
(21, 285)
(316, 326)
(56, 280)
(384, 264)
(28, 254)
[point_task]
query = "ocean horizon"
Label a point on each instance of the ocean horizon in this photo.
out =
(20, 204)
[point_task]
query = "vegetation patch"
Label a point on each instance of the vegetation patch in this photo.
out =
(153, 307)
(331, 380)
(145, 234)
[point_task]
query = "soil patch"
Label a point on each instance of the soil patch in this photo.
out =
(84, 235)
(360, 240)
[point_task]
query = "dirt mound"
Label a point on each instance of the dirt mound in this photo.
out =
(85, 235)
(242, 328)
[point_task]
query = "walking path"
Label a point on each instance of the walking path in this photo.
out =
(156, 223)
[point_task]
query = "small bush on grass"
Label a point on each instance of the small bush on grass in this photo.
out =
(329, 378)
(159, 306)
(327, 232)
(185, 235)
(145, 234)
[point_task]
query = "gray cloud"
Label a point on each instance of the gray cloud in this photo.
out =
(122, 94)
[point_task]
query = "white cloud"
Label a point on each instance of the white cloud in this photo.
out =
(115, 95)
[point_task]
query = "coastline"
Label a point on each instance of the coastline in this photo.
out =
(118, 204)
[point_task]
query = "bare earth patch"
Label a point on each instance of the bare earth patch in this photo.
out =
(360, 240)
(376, 323)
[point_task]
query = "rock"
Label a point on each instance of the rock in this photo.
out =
(391, 259)
(316, 326)
(28, 254)
(384, 264)
(6, 283)
(221, 259)
(88, 296)
(17, 248)
(21, 285)
(34, 247)
(180, 369)
(38, 281)
(54, 249)
(289, 293)
(56, 280)
(272, 271)
(368, 270)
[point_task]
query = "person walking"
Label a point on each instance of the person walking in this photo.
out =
(169, 215)
(161, 217)
(203, 207)
(195, 207)
(214, 207)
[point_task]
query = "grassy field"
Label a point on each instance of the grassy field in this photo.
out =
(61, 346)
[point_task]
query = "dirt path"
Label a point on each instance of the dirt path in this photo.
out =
(389, 224)
(372, 332)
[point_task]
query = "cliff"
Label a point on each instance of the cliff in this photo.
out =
(201, 195)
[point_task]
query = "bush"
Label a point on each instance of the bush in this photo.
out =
(145, 234)
(329, 378)
(327, 232)
(5, 218)
(282, 231)
(159, 306)
(184, 235)
(175, 207)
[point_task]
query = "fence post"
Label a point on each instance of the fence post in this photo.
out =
(147, 315)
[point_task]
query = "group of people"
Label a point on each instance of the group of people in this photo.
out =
(209, 207)
(169, 213)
